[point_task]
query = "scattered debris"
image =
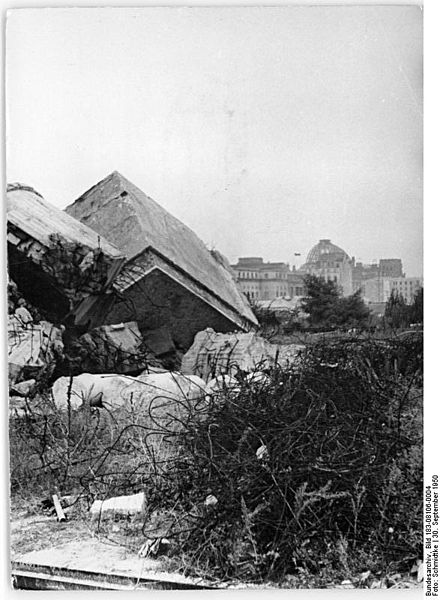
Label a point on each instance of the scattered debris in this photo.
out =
(58, 508)
(418, 570)
(114, 348)
(122, 505)
(262, 453)
(31, 348)
(155, 547)
(211, 500)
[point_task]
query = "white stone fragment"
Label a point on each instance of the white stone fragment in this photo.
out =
(125, 505)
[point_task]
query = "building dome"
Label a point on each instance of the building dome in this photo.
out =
(327, 251)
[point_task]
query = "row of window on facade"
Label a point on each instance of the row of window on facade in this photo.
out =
(405, 283)
(323, 264)
(257, 275)
(254, 293)
(330, 278)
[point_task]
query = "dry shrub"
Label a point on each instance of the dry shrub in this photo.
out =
(318, 469)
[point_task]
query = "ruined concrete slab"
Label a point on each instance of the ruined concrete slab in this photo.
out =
(90, 560)
(57, 262)
(188, 278)
(162, 394)
(89, 389)
(162, 297)
(168, 391)
(215, 353)
(29, 212)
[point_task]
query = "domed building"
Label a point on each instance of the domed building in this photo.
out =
(328, 261)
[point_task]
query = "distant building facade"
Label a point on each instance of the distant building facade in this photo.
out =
(390, 267)
(375, 281)
(331, 263)
(407, 287)
(260, 280)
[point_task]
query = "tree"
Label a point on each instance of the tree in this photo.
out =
(353, 311)
(396, 311)
(416, 308)
(321, 301)
(326, 307)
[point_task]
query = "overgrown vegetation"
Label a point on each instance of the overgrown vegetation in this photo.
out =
(273, 323)
(400, 314)
(326, 307)
(312, 473)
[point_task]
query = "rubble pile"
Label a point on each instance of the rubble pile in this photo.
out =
(100, 318)
(32, 347)
(138, 324)
(118, 300)
(118, 348)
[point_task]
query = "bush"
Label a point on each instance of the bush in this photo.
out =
(310, 470)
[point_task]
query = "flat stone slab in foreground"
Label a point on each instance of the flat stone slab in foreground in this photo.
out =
(94, 564)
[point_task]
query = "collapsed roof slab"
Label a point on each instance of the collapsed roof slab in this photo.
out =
(58, 263)
(152, 239)
(156, 295)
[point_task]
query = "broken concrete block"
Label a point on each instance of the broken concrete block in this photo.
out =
(90, 389)
(25, 346)
(17, 407)
(215, 353)
(159, 397)
(113, 349)
(24, 388)
(167, 385)
(31, 349)
(121, 505)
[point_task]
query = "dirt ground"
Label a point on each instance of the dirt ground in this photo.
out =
(75, 544)
(79, 544)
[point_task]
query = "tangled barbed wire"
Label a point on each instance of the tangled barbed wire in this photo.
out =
(268, 476)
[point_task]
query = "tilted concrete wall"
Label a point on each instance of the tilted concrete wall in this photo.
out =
(159, 301)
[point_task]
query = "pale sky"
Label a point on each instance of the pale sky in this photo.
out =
(263, 129)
